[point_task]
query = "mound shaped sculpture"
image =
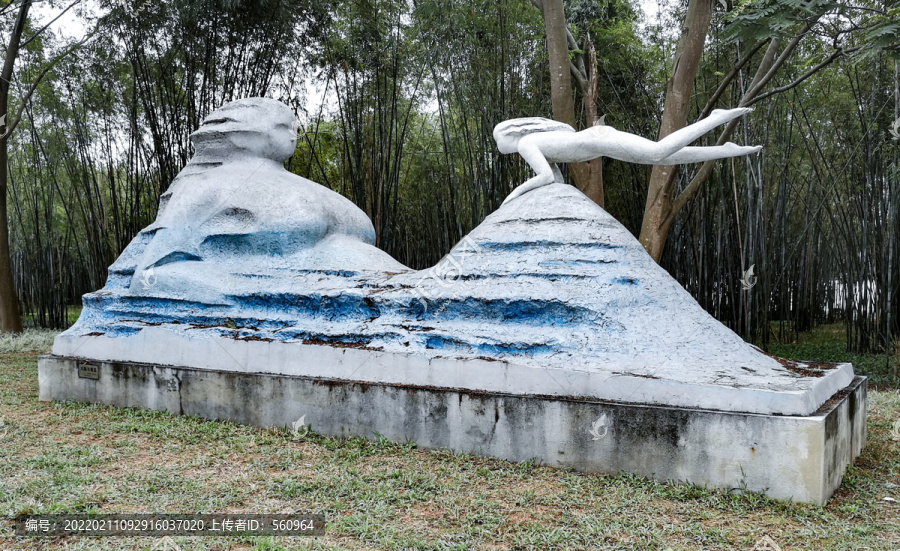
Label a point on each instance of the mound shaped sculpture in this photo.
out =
(244, 250)
(259, 296)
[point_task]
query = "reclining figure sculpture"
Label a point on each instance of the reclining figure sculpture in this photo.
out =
(544, 142)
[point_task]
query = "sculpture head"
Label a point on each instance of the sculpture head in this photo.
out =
(508, 133)
(250, 127)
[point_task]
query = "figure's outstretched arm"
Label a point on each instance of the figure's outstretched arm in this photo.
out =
(557, 174)
(701, 154)
(536, 160)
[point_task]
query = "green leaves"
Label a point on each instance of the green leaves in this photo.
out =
(863, 29)
(882, 36)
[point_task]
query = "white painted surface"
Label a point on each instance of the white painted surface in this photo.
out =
(162, 347)
(249, 267)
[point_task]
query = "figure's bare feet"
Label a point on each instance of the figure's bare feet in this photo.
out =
(735, 150)
(726, 115)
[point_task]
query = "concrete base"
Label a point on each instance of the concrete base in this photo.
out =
(802, 458)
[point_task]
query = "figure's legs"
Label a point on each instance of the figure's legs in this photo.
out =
(536, 160)
(684, 136)
(635, 149)
(700, 154)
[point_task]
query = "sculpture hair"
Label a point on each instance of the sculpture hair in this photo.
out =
(508, 133)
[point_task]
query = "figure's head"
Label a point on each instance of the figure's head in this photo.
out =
(256, 127)
(508, 133)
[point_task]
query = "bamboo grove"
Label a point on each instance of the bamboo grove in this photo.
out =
(397, 101)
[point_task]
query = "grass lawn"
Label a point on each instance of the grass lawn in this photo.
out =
(828, 343)
(29, 319)
(72, 458)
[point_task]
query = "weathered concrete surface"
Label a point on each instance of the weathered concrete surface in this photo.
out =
(802, 458)
(786, 393)
(550, 295)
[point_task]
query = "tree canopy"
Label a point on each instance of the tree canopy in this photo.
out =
(397, 101)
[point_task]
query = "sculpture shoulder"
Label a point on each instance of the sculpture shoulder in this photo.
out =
(344, 216)
(270, 197)
(302, 199)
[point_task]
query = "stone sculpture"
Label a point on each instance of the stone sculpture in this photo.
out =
(234, 209)
(548, 332)
(242, 249)
(544, 142)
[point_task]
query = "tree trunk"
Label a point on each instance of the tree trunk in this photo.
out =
(10, 322)
(656, 222)
(592, 186)
(587, 176)
(558, 52)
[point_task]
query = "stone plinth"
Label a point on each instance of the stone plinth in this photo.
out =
(801, 458)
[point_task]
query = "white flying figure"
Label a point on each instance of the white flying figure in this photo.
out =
(544, 142)
(895, 129)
